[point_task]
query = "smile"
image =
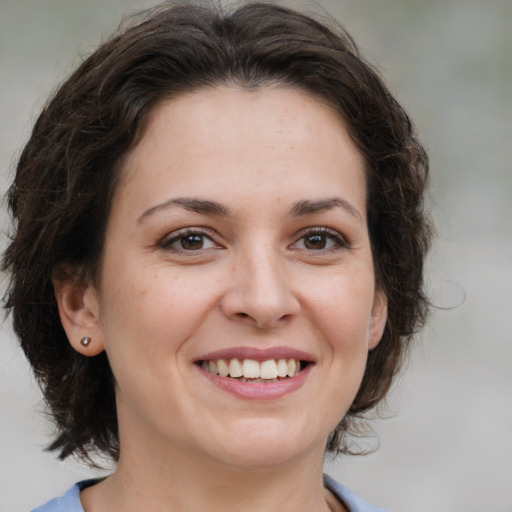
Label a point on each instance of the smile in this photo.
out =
(250, 370)
(254, 373)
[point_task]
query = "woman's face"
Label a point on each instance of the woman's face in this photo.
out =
(237, 242)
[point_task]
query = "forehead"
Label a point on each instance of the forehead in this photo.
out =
(278, 136)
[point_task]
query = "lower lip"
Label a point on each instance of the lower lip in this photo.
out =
(258, 390)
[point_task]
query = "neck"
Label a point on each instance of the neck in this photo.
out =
(175, 479)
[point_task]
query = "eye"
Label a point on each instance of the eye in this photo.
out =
(188, 240)
(320, 239)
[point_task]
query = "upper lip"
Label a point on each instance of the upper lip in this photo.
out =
(257, 354)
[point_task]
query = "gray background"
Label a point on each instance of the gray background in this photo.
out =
(446, 443)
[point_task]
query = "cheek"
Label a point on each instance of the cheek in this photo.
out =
(342, 309)
(157, 312)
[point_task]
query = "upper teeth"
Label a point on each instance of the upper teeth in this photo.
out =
(251, 369)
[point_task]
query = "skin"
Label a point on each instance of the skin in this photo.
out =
(259, 274)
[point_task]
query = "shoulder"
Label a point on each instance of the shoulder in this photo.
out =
(69, 501)
(351, 500)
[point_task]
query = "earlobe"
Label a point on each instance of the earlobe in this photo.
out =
(79, 315)
(378, 319)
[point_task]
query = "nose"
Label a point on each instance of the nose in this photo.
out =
(260, 292)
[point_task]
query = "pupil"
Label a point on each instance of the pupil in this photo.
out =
(192, 242)
(315, 242)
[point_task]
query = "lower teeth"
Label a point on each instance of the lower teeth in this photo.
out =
(243, 379)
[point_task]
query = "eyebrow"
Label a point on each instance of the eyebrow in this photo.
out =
(192, 204)
(206, 207)
(306, 207)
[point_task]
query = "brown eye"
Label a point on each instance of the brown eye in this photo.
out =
(192, 242)
(315, 241)
(320, 239)
(188, 241)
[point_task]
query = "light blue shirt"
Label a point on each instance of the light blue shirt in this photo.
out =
(70, 501)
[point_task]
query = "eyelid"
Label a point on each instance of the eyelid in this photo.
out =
(334, 235)
(170, 238)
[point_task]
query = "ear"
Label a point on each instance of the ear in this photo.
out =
(378, 318)
(79, 314)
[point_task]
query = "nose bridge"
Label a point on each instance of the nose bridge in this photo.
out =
(261, 288)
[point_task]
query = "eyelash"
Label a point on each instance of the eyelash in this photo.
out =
(181, 235)
(338, 240)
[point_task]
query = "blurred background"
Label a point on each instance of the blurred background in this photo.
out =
(446, 442)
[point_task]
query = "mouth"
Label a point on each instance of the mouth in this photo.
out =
(253, 371)
(261, 374)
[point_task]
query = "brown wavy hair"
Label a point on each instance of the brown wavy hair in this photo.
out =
(68, 171)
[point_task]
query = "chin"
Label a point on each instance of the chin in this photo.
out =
(264, 444)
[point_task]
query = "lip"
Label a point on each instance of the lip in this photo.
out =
(258, 354)
(257, 390)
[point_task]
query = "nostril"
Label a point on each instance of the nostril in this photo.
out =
(242, 315)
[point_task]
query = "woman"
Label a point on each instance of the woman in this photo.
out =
(217, 259)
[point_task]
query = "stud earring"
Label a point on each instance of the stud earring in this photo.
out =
(85, 342)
